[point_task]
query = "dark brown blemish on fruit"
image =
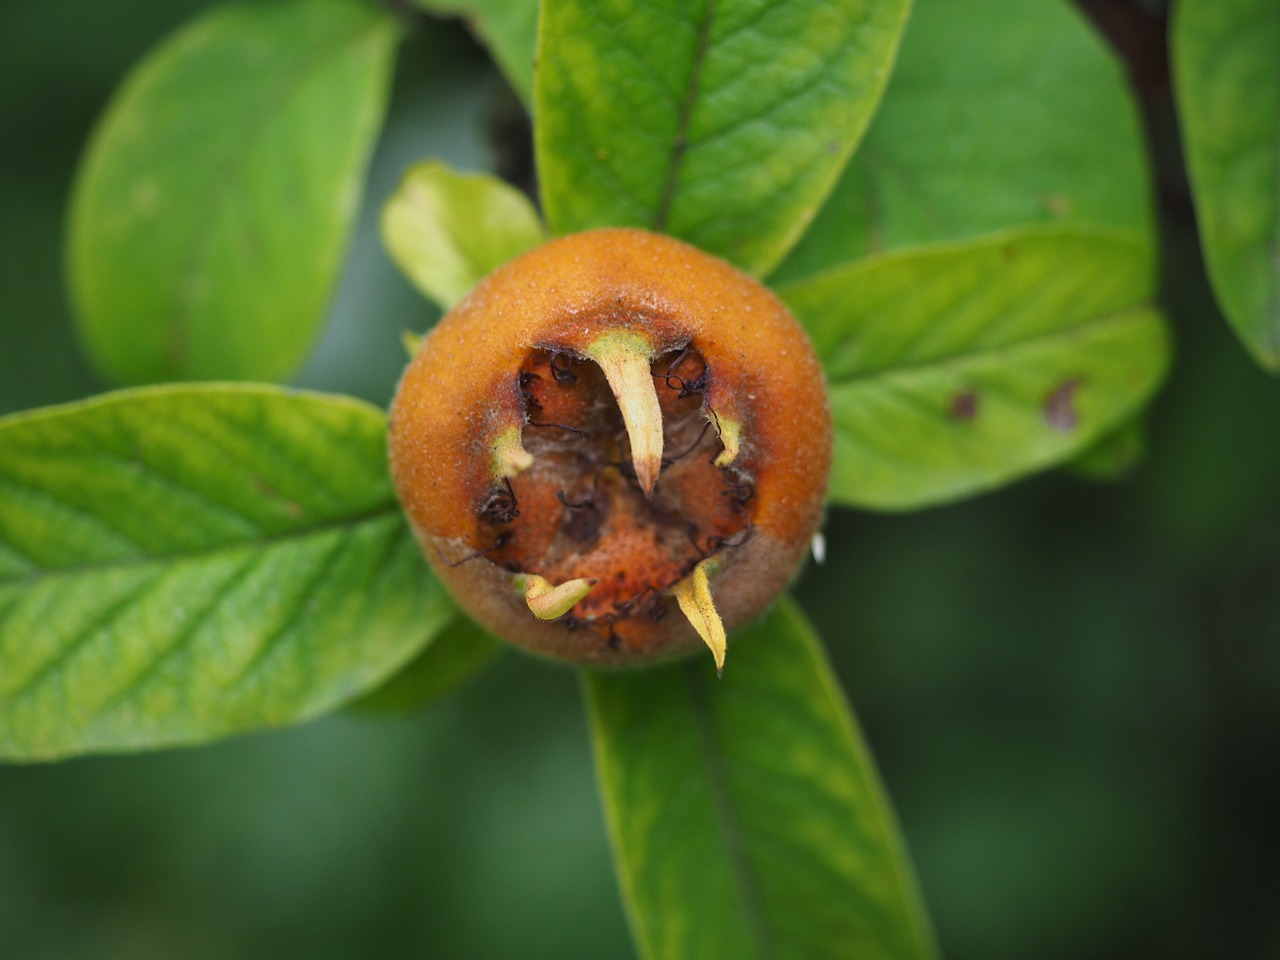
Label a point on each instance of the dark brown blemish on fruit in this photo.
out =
(498, 543)
(562, 370)
(501, 505)
(584, 522)
(551, 425)
(1060, 408)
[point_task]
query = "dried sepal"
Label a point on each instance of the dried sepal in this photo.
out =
(693, 594)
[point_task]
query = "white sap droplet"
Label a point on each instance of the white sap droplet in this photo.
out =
(819, 547)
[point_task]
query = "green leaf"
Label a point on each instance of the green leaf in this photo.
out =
(509, 28)
(958, 368)
(999, 113)
(213, 206)
(746, 816)
(458, 653)
(722, 123)
(182, 563)
(448, 230)
(1227, 66)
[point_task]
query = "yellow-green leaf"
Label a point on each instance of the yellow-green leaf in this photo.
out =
(213, 206)
(446, 230)
(956, 368)
(182, 563)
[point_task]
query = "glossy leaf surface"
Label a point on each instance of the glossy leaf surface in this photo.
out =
(1227, 67)
(178, 564)
(958, 368)
(212, 209)
(746, 815)
(722, 123)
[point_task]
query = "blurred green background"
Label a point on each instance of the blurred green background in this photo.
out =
(1071, 688)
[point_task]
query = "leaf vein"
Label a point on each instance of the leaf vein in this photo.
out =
(134, 683)
(979, 355)
(744, 881)
(679, 145)
(85, 633)
(289, 621)
(174, 483)
(376, 512)
(813, 83)
(58, 502)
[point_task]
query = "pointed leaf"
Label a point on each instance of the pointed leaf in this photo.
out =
(447, 230)
(454, 656)
(746, 816)
(178, 564)
(1227, 67)
(722, 123)
(958, 368)
(213, 206)
(999, 113)
(509, 28)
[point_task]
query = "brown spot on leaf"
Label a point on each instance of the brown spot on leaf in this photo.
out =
(1056, 205)
(289, 507)
(964, 405)
(1060, 407)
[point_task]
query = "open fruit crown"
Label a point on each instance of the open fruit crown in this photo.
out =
(612, 426)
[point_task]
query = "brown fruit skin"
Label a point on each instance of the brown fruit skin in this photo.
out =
(460, 393)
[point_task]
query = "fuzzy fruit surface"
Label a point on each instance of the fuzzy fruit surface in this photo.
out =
(515, 464)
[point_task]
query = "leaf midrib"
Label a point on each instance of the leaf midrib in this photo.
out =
(732, 838)
(350, 521)
(680, 142)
